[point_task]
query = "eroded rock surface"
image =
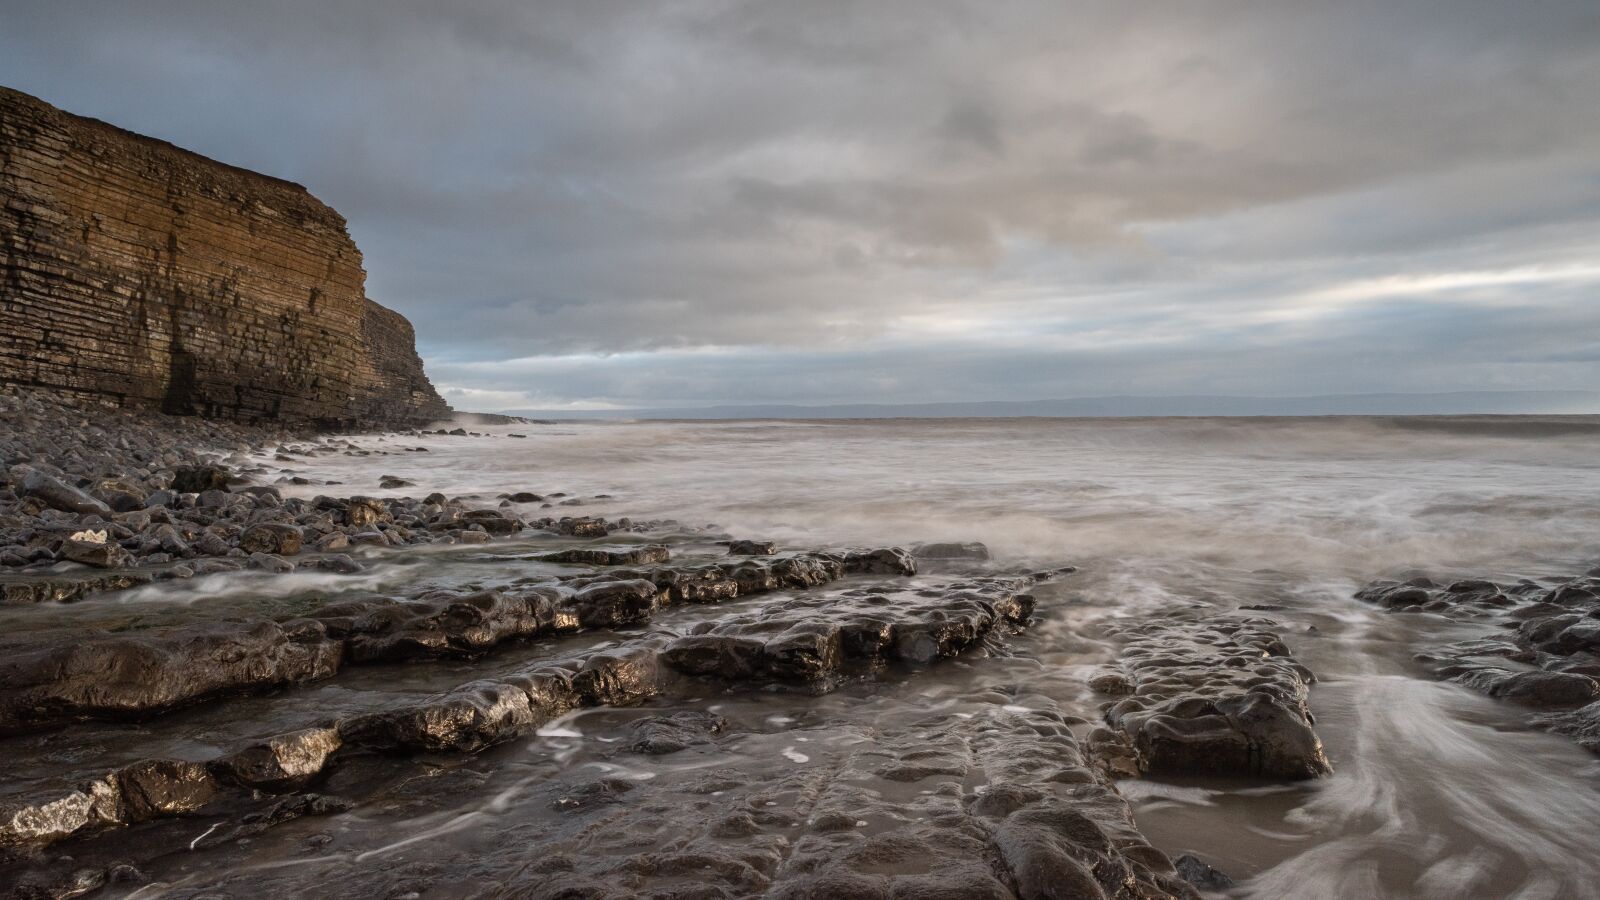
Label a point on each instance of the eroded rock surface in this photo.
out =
(1209, 694)
(133, 675)
(1543, 651)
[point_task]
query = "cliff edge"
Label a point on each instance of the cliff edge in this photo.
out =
(142, 274)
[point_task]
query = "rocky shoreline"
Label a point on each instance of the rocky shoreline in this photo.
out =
(205, 672)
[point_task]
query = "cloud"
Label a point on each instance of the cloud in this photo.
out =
(931, 200)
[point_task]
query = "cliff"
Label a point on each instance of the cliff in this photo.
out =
(143, 274)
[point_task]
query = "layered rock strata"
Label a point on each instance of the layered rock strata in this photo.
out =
(129, 676)
(999, 804)
(811, 642)
(142, 274)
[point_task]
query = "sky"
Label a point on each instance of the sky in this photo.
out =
(604, 204)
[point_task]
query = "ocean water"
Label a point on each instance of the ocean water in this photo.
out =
(1438, 792)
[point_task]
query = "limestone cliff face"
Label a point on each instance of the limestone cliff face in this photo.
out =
(144, 274)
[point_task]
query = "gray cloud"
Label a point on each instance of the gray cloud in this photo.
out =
(817, 202)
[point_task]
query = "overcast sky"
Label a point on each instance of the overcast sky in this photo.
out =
(680, 203)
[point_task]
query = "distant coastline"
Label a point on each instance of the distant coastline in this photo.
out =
(1457, 403)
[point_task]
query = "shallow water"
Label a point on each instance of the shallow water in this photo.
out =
(1437, 792)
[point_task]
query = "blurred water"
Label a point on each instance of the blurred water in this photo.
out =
(1437, 793)
(1348, 496)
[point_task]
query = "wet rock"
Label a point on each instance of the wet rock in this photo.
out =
(282, 762)
(1218, 696)
(164, 787)
(95, 803)
(602, 556)
(336, 562)
(337, 540)
(886, 561)
(100, 554)
(1555, 626)
(963, 550)
(1547, 689)
(134, 674)
(1115, 684)
(1581, 725)
(197, 479)
(363, 511)
(583, 527)
(493, 521)
(610, 604)
(161, 499)
(266, 562)
(16, 589)
(752, 548)
(57, 494)
(470, 717)
(1195, 871)
(659, 735)
(271, 537)
(815, 641)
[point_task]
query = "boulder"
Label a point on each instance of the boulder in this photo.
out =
(57, 494)
(282, 540)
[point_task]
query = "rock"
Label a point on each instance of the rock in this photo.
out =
(962, 550)
(362, 511)
(1582, 725)
(57, 494)
(752, 548)
(493, 521)
(1547, 689)
(1556, 627)
(161, 499)
(609, 604)
(815, 641)
(886, 561)
(1215, 695)
(599, 556)
(267, 562)
(282, 540)
(199, 479)
(141, 673)
(213, 499)
(123, 500)
(658, 735)
(583, 527)
(336, 540)
(337, 562)
(164, 787)
(100, 554)
(1198, 873)
(370, 539)
(281, 762)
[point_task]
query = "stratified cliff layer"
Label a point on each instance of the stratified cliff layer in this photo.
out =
(144, 274)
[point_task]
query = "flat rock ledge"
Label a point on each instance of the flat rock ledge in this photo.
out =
(1204, 694)
(141, 674)
(1001, 804)
(810, 643)
(1541, 649)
